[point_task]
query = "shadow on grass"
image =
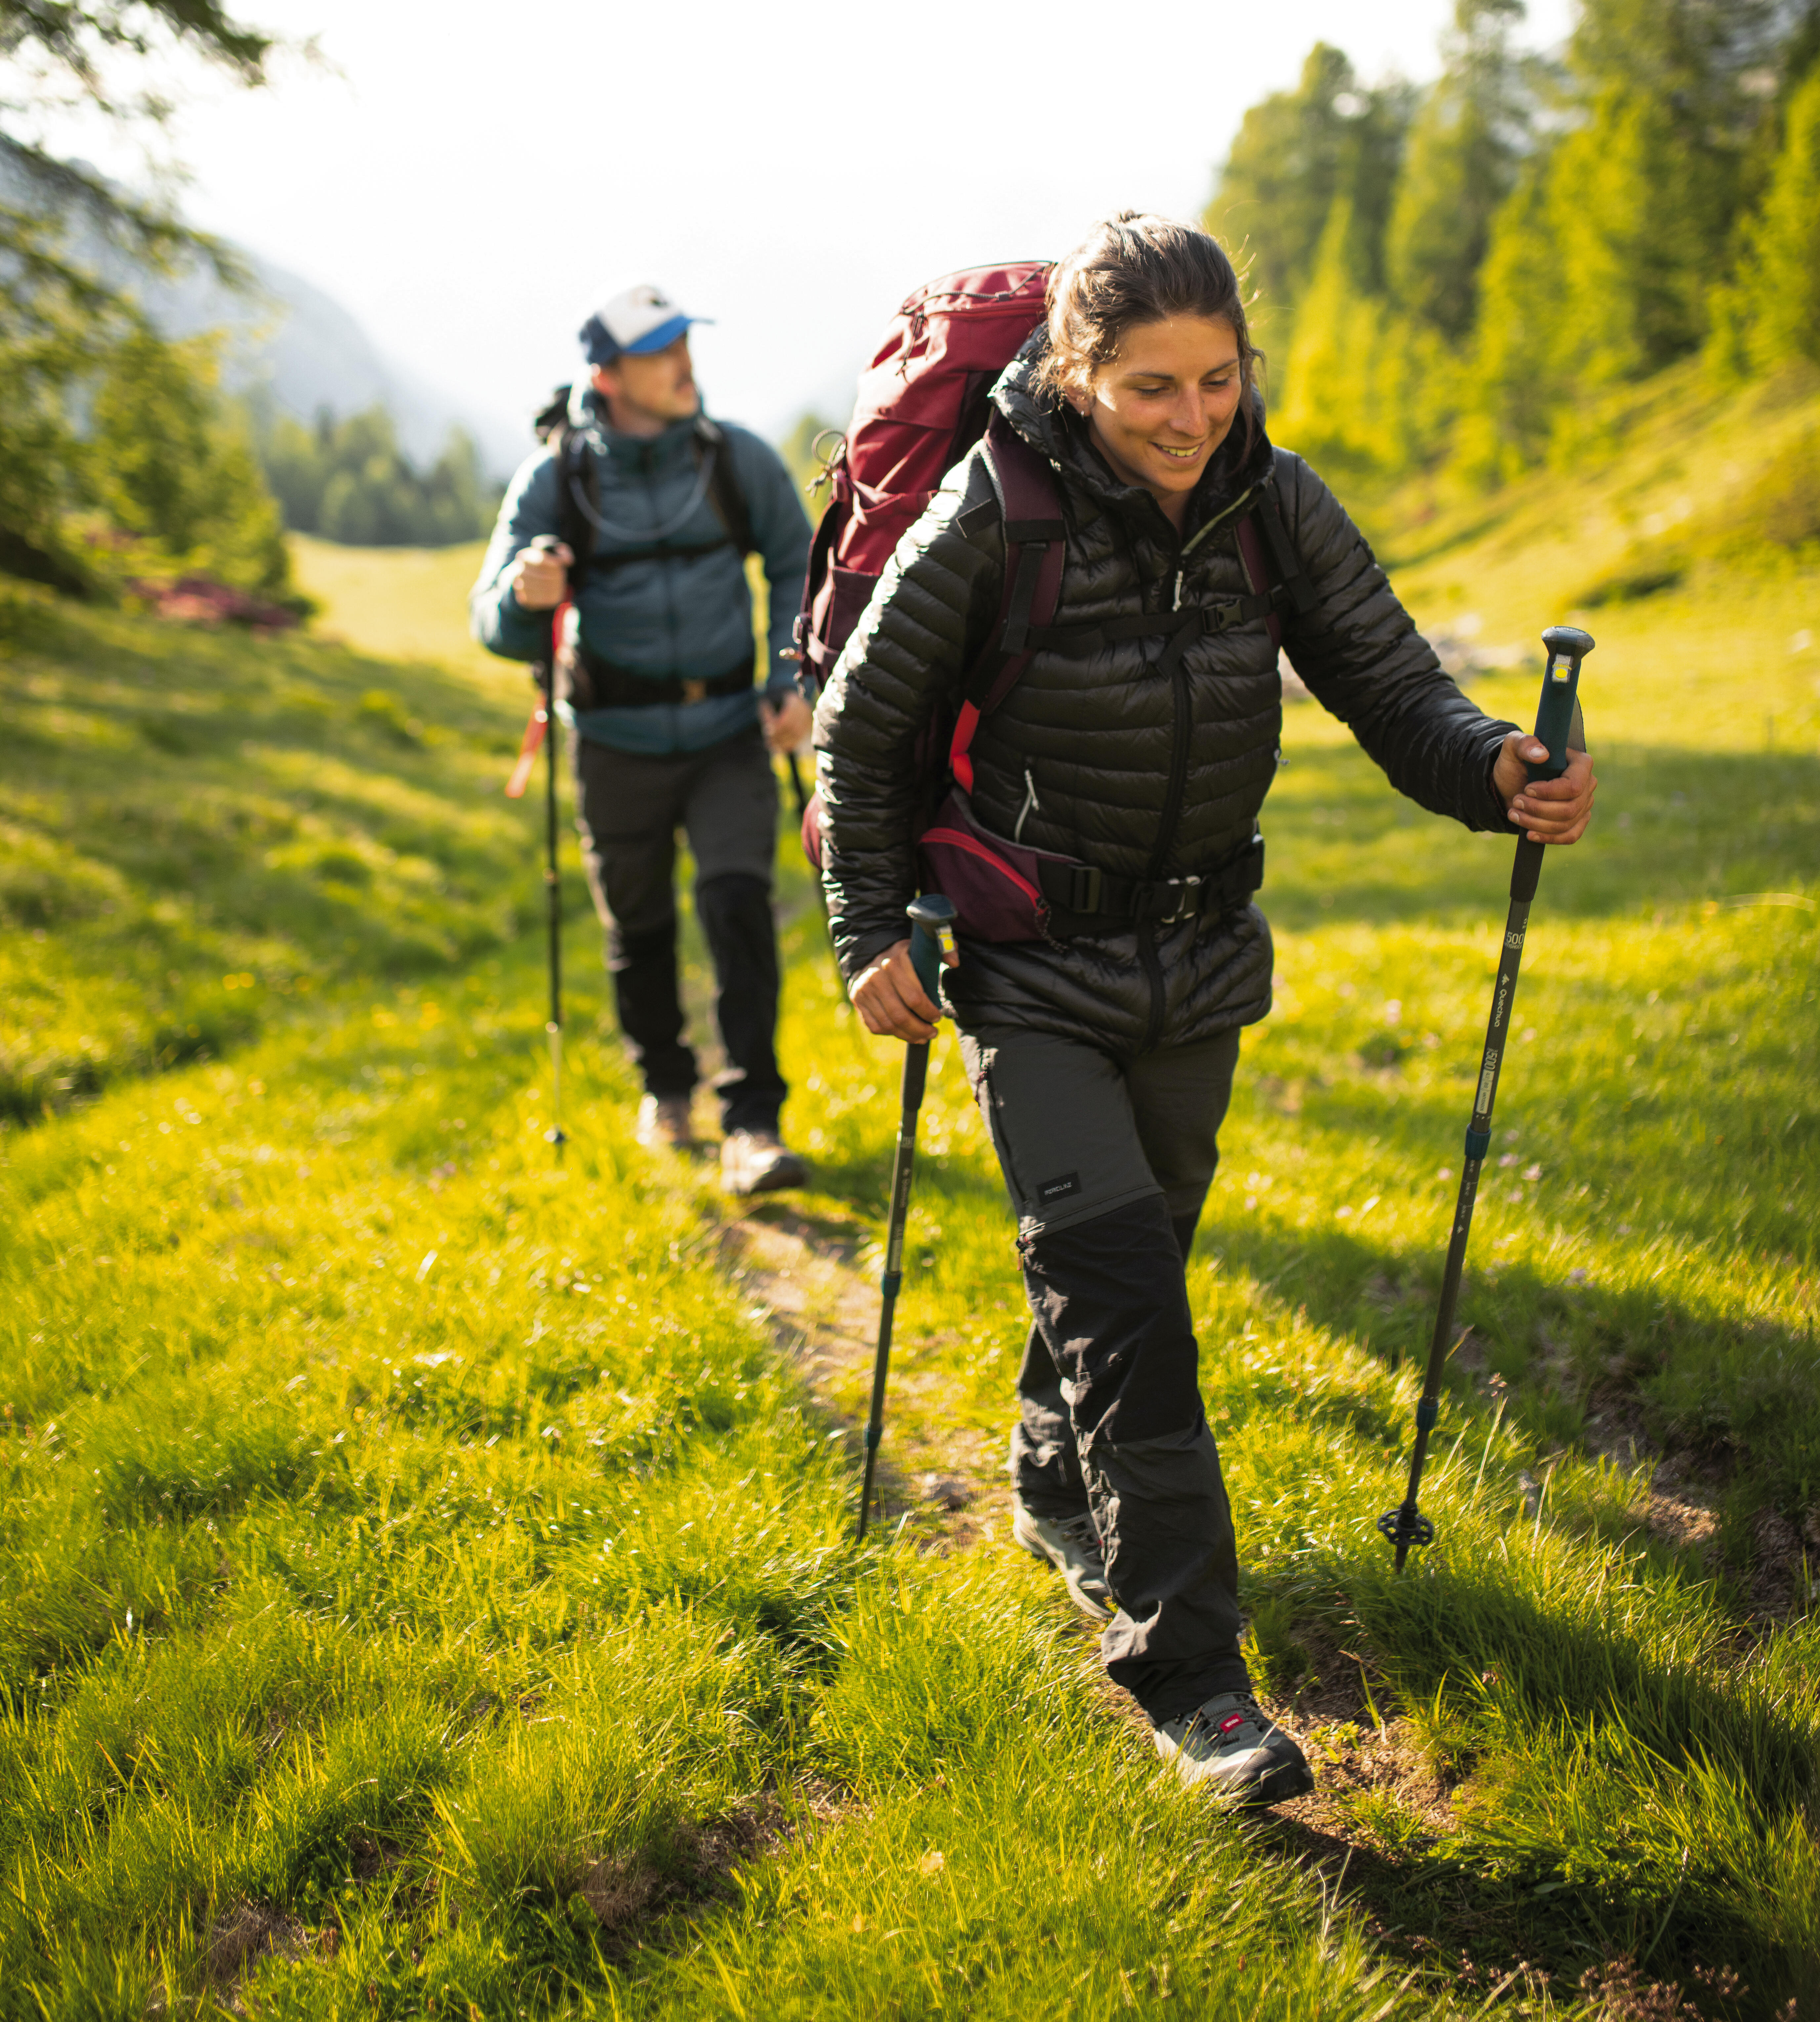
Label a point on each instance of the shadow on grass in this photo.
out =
(1672, 828)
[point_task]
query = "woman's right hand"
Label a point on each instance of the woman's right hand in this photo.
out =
(891, 1001)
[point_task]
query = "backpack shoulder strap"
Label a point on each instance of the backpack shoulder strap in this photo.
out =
(1271, 559)
(1036, 548)
(724, 492)
(576, 482)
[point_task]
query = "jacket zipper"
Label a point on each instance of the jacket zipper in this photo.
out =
(650, 477)
(1172, 817)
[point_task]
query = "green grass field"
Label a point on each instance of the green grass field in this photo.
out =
(426, 1584)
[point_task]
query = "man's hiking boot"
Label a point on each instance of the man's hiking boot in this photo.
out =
(663, 1124)
(758, 1161)
(1071, 1545)
(1236, 1751)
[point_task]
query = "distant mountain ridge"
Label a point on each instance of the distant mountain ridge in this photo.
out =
(295, 342)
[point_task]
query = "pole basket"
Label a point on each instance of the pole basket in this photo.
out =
(1405, 1526)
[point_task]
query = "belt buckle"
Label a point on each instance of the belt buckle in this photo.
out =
(1187, 901)
(694, 692)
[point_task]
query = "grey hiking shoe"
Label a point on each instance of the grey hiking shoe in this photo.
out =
(1071, 1545)
(663, 1124)
(1231, 1746)
(758, 1161)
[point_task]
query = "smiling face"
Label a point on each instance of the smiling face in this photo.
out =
(1165, 403)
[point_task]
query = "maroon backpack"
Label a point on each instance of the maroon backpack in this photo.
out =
(923, 402)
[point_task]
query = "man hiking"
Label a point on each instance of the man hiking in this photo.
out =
(636, 515)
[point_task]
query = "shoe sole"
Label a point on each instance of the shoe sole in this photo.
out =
(1034, 1546)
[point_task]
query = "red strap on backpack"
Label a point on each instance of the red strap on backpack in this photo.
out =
(538, 728)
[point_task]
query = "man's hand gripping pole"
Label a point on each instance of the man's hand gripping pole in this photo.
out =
(931, 937)
(1556, 720)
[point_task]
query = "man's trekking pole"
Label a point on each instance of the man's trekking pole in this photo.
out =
(541, 730)
(931, 936)
(1556, 719)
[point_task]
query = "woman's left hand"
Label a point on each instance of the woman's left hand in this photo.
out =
(1545, 810)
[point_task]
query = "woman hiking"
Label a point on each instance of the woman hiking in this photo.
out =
(1102, 1048)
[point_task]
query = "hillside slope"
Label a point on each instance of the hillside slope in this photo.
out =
(425, 1581)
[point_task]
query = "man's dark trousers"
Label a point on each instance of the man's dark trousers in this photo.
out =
(725, 800)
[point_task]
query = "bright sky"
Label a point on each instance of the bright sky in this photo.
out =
(470, 181)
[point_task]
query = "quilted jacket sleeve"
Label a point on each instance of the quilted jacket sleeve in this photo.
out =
(1362, 659)
(896, 684)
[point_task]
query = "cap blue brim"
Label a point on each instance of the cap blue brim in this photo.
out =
(665, 333)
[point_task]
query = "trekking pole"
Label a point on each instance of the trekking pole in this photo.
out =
(541, 730)
(555, 1135)
(1555, 719)
(931, 936)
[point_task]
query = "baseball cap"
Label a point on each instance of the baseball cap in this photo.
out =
(638, 320)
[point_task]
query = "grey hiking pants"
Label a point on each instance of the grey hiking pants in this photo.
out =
(725, 799)
(1107, 1163)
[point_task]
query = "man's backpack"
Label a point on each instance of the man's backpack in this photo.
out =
(923, 402)
(580, 517)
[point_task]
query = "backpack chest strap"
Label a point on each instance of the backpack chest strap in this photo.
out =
(1200, 621)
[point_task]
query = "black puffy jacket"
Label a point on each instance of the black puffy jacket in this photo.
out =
(1090, 743)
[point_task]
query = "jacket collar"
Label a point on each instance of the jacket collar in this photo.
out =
(1053, 428)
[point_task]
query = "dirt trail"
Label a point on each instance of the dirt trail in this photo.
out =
(823, 1312)
(1378, 1800)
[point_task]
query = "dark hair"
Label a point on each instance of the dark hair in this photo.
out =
(1136, 268)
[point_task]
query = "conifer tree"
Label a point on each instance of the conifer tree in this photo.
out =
(1464, 148)
(1295, 153)
(1343, 402)
(168, 463)
(58, 322)
(1778, 294)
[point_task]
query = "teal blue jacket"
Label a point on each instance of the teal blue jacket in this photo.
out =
(689, 617)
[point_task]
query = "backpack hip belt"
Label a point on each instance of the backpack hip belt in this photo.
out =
(587, 681)
(1083, 891)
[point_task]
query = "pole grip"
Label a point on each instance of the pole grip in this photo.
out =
(1554, 715)
(931, 935)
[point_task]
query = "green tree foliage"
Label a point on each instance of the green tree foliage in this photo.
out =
(59, 324)
(1464, 275)
(1772, 314)
(172, 464)
(55, 325)
(1465, 146)
(1297, 152)
(348, 481)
